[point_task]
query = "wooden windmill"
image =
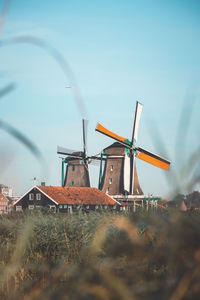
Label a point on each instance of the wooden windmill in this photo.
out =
(77, 172)
(126, 174)
(112, 179)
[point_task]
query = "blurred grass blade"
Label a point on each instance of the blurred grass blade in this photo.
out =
(183, 128)
(23, 140)
(195, 180)
(191, 167)
(9, 88)
(3, 14)
(160, 147)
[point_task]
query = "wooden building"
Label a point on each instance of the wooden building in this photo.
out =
(112, 181)
(66, 199)
(77, 173)
(4, 203)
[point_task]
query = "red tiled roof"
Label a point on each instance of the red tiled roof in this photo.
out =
(77, 195)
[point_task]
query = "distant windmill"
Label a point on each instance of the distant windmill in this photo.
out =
(77, 172)
(126, 169)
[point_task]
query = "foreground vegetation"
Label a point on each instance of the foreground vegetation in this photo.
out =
(145, 255)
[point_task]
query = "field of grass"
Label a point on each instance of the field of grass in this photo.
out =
(146, 255)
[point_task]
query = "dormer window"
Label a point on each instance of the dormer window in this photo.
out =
(31, 196)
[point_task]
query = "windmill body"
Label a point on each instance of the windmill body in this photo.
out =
(76, 174)
(126, 174)
(114, 178)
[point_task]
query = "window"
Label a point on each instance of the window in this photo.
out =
(87, 206)
(105, 206)
(111, 168)
(18, 208)
(73, 168)
(97, 206)
(107, 190)
(38, 196)
(110, 180)
(60, 206)
(52, 207)
(114, 207)
(38, 206)
(65, 206)
(31, 207)
(72, 183)
(31, 196)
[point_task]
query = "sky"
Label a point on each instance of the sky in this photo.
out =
(114, 54)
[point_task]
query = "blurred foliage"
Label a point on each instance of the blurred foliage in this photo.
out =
(145, 255)
(192, 200)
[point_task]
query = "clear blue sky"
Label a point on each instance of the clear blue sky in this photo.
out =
(120, 52)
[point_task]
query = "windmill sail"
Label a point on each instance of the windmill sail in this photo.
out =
(152, 158)
(70, 152)
(114, 136)
(85, 123)
(138, 111)
(132, 173)
(126, 172)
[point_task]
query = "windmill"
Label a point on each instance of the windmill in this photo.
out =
(112, 179)
(77, 172)
(129, 175)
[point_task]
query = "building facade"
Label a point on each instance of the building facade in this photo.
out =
(112, 181)
(4, 203)
(66, 199)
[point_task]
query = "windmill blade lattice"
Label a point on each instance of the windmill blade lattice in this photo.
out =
(138, 111)
(84, 127)
(69, 152)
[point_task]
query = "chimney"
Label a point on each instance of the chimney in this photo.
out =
(43, 183)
